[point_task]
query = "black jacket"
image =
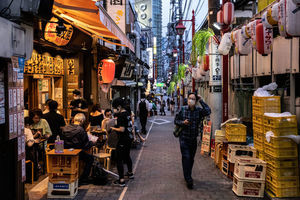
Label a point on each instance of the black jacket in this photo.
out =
(76, 137)
(56, 122)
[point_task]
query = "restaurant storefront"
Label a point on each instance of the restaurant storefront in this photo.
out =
(56, 66)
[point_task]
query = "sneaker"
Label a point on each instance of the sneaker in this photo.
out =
(190, 185)
(118, 182)
(129, 175)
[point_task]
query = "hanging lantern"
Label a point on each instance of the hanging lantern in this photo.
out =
(272, 15)
(220, 18)
(206, 62)
(297, 2)
(265, 21)
(253, 31)
(228, 13)
(292, 18)
(245, 31)
(244, 45)
(225, 44)
(264, 39)
(106, 71)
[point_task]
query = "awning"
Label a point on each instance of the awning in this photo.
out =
(124, 83)
(85, 15)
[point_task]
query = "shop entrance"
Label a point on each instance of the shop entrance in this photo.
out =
(38, 89)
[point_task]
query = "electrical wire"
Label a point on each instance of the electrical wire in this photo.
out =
(6, 8)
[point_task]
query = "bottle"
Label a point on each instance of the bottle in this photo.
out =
(59, 145)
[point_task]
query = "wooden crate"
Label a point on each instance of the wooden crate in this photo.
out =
(236, 151)
(67, 162)
(225, 167)
(250, 169)
(62, 190)
(248, 188)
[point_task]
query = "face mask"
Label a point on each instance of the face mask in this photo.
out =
(192, 102)
(116, 110)
(76, 97)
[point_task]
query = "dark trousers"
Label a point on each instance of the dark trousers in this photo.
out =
(123, 156)
(143, 120)
(88, 159)
(31, 154)
(188, 149)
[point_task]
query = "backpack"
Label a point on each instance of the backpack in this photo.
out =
(143, 107)
(99, 175)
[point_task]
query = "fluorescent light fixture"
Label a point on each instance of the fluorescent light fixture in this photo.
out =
(217, 26)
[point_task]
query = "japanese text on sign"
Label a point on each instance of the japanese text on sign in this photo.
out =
(44, 64)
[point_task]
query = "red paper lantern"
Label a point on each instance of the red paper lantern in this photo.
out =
(264, 39)
(206, 62)
(106, 71)
(228, 13)
(220, 18)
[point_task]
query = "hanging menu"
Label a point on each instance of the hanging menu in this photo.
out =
(2, 99)
(16, 100)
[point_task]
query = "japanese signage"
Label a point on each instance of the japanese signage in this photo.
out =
(215, 62)
(59, 38)
(117, 11)
(127, 70)
(44, 64)
(150, 63)
(205, 147)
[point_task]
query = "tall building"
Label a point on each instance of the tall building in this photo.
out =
(150, 18)
(157, 32)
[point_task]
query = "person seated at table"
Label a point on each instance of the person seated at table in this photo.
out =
(40, 127)
(30, 150)
(47, 109)
(96, 117)
(55, 120)
(107, 117)
(76, 137)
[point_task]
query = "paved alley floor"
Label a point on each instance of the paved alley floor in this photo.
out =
(158, 172)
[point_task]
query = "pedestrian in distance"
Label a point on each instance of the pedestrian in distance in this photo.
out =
(172, 106)
(123, 129)
(189, 118)
(143, 110)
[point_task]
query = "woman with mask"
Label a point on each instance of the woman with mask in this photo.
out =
(123, 129)
(190, 117)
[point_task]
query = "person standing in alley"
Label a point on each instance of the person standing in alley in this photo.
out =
(78, 105)
(189, 118)
(142, 110)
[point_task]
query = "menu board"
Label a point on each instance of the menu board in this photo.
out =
(205, 146)
(2, 99)
(15, 99)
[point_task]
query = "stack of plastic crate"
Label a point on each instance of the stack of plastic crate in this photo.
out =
(63, 174)
(282, 178)
(261, 105)
(236, 132)
(249, 177)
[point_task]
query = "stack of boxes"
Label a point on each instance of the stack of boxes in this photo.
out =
(261, 105)
(281, 156)
(249, 177)
(63, 172)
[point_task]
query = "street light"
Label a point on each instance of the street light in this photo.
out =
(175, 53)
(180, 28)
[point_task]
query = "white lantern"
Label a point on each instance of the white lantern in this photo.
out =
(228, 13)
(245, 31)
(225, 44)
(253, 32)
(282, 18)
(292, 18)
(244, 45)
(265, 21)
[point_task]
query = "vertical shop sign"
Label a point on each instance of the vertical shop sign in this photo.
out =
(116, 9)
(2, 99)
(205, 147)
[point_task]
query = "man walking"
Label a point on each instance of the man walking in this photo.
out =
(142, 110)
(190, 117)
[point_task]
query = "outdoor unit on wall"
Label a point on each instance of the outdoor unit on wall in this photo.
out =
(125, 51)
(16, 8)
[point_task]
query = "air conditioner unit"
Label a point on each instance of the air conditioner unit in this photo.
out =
(126, 51)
